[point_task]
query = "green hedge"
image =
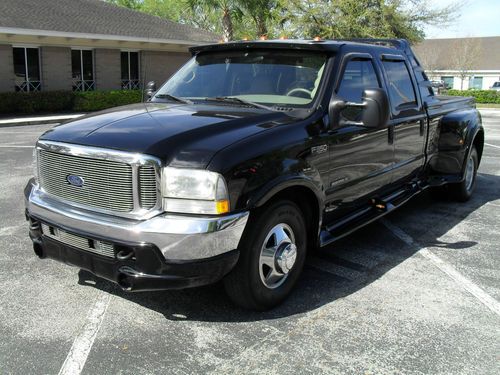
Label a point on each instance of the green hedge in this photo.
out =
(97, 100)
(481, 96)
(65, 101)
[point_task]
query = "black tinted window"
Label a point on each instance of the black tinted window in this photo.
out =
(288, 78)
(400, 86)
(359, 75)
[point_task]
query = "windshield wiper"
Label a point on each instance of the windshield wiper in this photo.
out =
(173, 98)
(232, 99)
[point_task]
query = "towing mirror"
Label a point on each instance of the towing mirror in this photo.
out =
(150, 89)
(375, 109)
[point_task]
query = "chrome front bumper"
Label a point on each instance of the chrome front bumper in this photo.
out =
(178, 237)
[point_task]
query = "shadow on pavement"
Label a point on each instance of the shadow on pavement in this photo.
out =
(317, 288)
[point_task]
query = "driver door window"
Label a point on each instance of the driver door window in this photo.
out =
(359, 75)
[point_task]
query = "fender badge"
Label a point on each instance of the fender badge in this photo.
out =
(319, 149)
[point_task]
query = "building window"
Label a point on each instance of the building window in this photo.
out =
(82, 66)
(130, 70)
(476, 83)
(27, 69)
(448, 82)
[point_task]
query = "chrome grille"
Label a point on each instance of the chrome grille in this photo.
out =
(82, 243)
(147, 186)
(113, 181)
(107, 184)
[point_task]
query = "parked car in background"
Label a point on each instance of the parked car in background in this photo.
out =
(249, 156)
(495, 86)
(438, 84)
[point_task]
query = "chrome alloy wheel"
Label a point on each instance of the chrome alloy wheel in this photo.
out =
(469, 173)
(277, 256)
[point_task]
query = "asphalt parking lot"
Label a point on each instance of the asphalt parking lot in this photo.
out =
(415, 293)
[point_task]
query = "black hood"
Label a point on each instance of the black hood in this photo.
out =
(180, 135)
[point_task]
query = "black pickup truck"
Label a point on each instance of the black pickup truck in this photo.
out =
(250, 155)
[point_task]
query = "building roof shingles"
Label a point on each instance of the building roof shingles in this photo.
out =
(94, 17)
(442, 52)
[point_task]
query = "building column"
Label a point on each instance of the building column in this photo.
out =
(56, 68)
(6, 68)
(107, 69)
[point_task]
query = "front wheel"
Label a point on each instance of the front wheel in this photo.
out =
(272, 255)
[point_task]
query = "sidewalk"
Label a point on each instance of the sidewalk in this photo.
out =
(32, 120)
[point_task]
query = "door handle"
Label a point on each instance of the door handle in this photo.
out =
(422, 127)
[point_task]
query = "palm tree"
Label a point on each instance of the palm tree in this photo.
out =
(229, 9)
(260, 12)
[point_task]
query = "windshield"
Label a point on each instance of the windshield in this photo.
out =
(496, 84)
(284, 78)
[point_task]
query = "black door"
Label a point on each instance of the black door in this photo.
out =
(408, 119)
(361, 158)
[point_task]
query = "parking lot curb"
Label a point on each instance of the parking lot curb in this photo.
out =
(38, 120)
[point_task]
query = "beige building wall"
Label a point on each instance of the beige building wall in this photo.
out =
(159, 66)
(56, 68)
(107, 69)
(56, 73)
(6, 68)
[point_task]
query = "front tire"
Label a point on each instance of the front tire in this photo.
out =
(272, 255)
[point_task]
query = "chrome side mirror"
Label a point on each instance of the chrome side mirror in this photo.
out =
(150, 89)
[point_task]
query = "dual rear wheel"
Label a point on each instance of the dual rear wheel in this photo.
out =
(274, 245)
(462, 191)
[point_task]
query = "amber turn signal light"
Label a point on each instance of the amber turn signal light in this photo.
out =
(222, 206)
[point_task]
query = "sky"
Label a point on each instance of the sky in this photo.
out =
(477, 18)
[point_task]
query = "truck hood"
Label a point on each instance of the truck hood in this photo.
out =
(180, 135)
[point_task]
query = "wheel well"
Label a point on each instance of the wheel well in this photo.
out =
(308, 204)
(479, 143)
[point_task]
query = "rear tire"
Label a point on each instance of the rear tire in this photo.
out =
(463, 191)
(272, 255)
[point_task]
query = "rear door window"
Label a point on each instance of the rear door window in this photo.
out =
(401, 90)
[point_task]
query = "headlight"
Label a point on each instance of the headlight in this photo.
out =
(194, 191)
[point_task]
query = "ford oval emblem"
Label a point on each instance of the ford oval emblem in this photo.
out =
(75, 180)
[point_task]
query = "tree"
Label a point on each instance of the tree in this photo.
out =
(430, 57)
(465, 57)
(261, 13)
(229, 10)
(304, 18)
(132, 4)
(363, 18)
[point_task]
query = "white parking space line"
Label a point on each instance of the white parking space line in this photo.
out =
(77, 356)
(488, 144)
(448, 269)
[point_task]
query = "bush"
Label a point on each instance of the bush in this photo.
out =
(481, 96)
(65, 101)
(41, 101)
(97, 100)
